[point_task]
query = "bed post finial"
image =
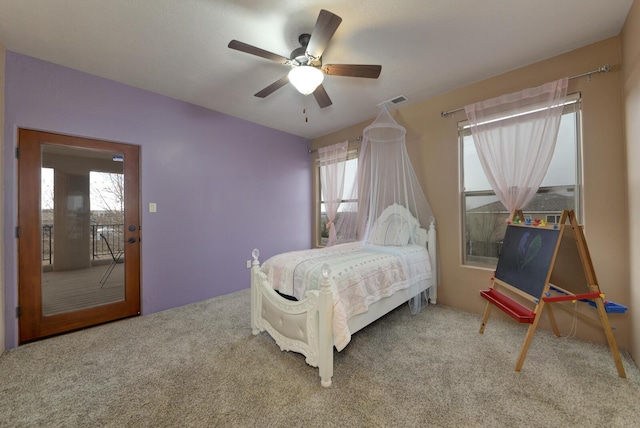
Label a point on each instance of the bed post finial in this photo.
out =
(326, 271)
(255, 254)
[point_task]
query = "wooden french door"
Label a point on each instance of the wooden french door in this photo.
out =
(78, 233)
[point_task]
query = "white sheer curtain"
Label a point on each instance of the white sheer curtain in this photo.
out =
(346, 223)
(515, 136)
(332, 167)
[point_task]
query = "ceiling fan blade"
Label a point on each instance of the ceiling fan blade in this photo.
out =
(353, 70)
(322, 97)
(243, 47)
(272, 87)
(326, 25)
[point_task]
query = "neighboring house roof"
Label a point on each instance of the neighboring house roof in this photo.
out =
(543, 202)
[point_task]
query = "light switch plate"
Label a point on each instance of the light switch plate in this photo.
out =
(153, 207)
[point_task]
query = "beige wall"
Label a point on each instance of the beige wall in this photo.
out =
(2, 53)
(631, 92)
(433, 146)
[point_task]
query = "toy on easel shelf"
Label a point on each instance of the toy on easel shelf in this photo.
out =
(547, 265)
(609, 306)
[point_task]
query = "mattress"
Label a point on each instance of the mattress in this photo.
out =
(360, 276)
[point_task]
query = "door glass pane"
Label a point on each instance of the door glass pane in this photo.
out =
(82, 215)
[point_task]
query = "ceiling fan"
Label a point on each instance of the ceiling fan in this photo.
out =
(307, 71)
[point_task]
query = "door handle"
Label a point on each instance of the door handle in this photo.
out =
(131, 240)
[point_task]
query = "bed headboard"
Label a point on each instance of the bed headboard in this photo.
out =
(396, 226)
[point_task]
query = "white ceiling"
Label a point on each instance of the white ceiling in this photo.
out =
(179, 48)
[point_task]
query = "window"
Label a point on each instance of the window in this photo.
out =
(553, 218)
(484, 219)
(348, 209)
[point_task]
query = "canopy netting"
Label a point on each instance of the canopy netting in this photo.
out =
(388, 182)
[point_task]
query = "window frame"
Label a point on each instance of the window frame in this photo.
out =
(353, 152)
(573, 104)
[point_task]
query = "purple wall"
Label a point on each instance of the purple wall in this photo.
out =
(222, 185)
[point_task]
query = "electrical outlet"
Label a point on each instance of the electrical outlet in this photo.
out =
(248, 264)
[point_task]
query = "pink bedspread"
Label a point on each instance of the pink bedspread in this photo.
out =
(359, 276)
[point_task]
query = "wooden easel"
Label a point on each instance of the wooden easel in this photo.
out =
(563, 272)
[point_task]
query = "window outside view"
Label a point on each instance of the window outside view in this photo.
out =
(349, 206)
(484, 222)
(107, 213)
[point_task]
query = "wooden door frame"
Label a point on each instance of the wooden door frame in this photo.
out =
(32, 325)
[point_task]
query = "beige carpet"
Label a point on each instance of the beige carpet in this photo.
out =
(199, 366)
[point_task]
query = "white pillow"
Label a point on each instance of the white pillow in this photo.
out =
(397, 233)
(420, 236)
(391, 230)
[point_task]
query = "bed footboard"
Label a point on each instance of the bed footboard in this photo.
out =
(300, 326)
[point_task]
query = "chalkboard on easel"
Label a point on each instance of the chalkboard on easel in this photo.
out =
(526, 257)
(535, 257)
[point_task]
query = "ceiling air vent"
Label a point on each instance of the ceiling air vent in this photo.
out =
(393, 101)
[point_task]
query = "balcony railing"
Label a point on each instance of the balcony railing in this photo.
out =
(114, 233)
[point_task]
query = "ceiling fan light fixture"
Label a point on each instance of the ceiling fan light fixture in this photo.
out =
(305, 78)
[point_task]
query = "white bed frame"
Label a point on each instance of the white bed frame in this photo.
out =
(305, 326)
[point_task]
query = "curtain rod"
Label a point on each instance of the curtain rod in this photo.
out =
(352, 140)
(604, 69)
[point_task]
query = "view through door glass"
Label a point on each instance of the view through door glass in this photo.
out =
(82, 215)
(78, 233)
